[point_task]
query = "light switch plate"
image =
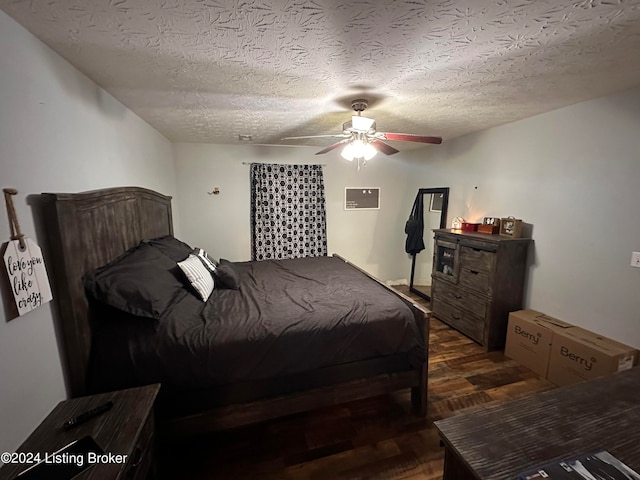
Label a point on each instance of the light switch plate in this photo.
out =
(635, 259)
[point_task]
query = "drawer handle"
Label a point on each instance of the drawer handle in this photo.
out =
(458, 297)
(456, 317)
(136, 457)
(475, 272)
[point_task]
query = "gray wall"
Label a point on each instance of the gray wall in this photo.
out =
(59, 132)
(573, 174)
(373, 239)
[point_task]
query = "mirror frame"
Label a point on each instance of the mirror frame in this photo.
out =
(443, 223)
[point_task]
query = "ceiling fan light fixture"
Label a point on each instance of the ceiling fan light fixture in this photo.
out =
(362, 124)
(369, 152)
(348, 152)
(358, 149)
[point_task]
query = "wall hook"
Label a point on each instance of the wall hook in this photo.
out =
(215, 191)
(16, 234)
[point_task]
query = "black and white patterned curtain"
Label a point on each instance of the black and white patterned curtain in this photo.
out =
(288, 217)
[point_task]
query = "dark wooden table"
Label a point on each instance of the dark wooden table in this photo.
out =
(126, 429)
(499, 443)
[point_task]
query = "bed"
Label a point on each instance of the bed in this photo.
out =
(292, 335)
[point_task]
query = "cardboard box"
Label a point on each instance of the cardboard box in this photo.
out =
(529, 338)
(578, 354)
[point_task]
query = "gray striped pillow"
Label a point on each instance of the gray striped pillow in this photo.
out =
(207, 261)
(198, 275)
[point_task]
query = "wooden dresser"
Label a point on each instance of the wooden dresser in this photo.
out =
(477, 280)
(127, 429)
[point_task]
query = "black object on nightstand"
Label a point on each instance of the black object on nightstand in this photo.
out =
(120, 422)
(88, 415)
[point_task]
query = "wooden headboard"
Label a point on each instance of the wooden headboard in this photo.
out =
(85, 231)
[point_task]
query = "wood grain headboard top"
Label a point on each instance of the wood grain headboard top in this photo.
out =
(85, 231)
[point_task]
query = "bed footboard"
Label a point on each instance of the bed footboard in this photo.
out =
(423, 316)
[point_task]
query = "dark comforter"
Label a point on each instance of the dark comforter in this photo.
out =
(288, 316)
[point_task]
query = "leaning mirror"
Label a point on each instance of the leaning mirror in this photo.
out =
(434, 215)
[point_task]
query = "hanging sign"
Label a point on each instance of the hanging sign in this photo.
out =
(27, 275)
(24, 264)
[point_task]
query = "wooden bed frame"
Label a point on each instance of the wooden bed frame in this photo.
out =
(87, 230)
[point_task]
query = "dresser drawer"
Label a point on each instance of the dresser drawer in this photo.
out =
(459, 298)
(468, 323)
(476, 259)
(478, 280)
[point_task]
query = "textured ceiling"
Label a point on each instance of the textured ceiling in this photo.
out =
(209, 70)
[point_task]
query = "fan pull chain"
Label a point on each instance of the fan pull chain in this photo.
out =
(16, 234)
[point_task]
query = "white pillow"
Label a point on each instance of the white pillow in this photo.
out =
(199, 276)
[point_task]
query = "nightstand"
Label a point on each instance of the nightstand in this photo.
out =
(126, 429)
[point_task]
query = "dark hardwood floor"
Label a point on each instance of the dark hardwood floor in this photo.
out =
(376, 438)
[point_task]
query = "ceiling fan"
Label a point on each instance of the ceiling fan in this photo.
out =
(361, 138)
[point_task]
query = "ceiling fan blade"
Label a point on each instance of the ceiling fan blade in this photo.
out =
(339, 135)
(383, 147)
(406, 137)
(332, 147)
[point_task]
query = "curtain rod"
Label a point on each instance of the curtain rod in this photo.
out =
(321, 164)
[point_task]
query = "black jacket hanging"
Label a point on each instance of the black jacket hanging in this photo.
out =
(414, 228)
